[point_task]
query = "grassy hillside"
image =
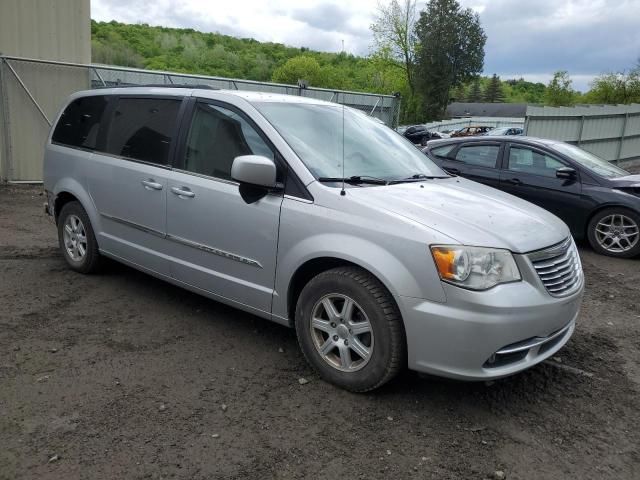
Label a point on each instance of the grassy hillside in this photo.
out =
(190, 51)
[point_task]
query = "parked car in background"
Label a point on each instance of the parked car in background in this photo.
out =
(596, 199)
(507, 131)
(419, 135)
(471, 131)
(315, 216)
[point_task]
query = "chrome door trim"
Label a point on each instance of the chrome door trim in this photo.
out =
(188, 243)
(137, 226)
(215, 251)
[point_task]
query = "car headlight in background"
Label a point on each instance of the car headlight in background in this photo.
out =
(475, 268)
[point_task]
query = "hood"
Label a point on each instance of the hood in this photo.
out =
(626, 181)
(469, 212)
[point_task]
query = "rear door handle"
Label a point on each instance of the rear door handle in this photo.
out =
(183, 192)
(151, 184)
(514, 181)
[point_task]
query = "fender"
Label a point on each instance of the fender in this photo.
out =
(389, 269)
(75, 188)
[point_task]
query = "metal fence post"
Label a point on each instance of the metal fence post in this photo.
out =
(6, 167)
(581, 130)
(622, 135)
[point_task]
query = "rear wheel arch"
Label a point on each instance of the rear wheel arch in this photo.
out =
(61, 199)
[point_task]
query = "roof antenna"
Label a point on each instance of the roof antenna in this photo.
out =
(342, 192)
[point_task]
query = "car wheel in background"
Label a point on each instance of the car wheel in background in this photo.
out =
(424, 140)
(350, 330)
(77, 240)
(615, 232)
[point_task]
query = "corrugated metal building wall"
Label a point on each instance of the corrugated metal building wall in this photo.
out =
(609, 131)
(43, 29)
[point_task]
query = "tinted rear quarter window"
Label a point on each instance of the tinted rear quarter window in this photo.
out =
(79, 123)
(442, 152)
(142, 129)
(481, 155)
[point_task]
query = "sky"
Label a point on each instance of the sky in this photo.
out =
(526, 38)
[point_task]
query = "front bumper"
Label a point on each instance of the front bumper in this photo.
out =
(490, 334)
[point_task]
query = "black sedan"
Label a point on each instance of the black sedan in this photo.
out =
(419, 134)
(596, 199)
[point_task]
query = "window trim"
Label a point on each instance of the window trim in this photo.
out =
(540, 151)
(105, 126)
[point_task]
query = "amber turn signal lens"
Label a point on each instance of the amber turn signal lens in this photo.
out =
(445, 262)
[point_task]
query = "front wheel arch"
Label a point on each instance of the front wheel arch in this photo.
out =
(310, 269)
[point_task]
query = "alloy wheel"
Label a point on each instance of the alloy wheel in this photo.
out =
(617, 233)
(341, 332)
(75, 238)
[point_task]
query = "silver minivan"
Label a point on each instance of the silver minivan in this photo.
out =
(317, 217)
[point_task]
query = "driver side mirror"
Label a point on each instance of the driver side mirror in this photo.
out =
(254, 170)
(566, 172)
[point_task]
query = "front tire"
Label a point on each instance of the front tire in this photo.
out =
(615, 232)
(76, 238)
(350, 330)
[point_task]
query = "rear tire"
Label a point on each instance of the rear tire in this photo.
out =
(77, 240)
(615, 232)
(350, 330)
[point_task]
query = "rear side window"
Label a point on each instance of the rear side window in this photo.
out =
(79, 123)
(480, 155)
(442, 152)
(142, 129)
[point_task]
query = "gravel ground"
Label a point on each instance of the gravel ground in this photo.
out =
(119, 375)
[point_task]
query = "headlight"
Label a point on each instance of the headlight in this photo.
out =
(475, 268)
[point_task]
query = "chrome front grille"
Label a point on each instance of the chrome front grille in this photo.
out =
(559, 268)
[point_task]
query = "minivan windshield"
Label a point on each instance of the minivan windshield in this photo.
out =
(325, 135)
(594, 163)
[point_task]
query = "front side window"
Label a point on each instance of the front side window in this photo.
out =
(79, 123)
(331, 139)
(216, 137)
(529, 161)
(480, 155)
(142, 129)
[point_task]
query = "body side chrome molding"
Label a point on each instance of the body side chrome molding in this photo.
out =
(137, 226)
(215, 251)
(188, 243)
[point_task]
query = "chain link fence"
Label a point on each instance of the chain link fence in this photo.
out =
(33, 91)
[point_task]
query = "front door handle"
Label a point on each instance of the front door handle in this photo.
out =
(514, 181)
(151, 184)
(183, 192)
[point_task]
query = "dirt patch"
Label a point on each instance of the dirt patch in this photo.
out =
(119, 375)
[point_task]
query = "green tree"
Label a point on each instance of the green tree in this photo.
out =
(494, 93)
(460, 93)
(298, 68)
(475, 92)
(559, 91)
(451, 52)
(394, 29)
(615, 88)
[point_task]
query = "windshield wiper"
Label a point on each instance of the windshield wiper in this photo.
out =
(355, 179)
(417, 178)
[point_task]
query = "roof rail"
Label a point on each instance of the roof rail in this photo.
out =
(161, 85)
